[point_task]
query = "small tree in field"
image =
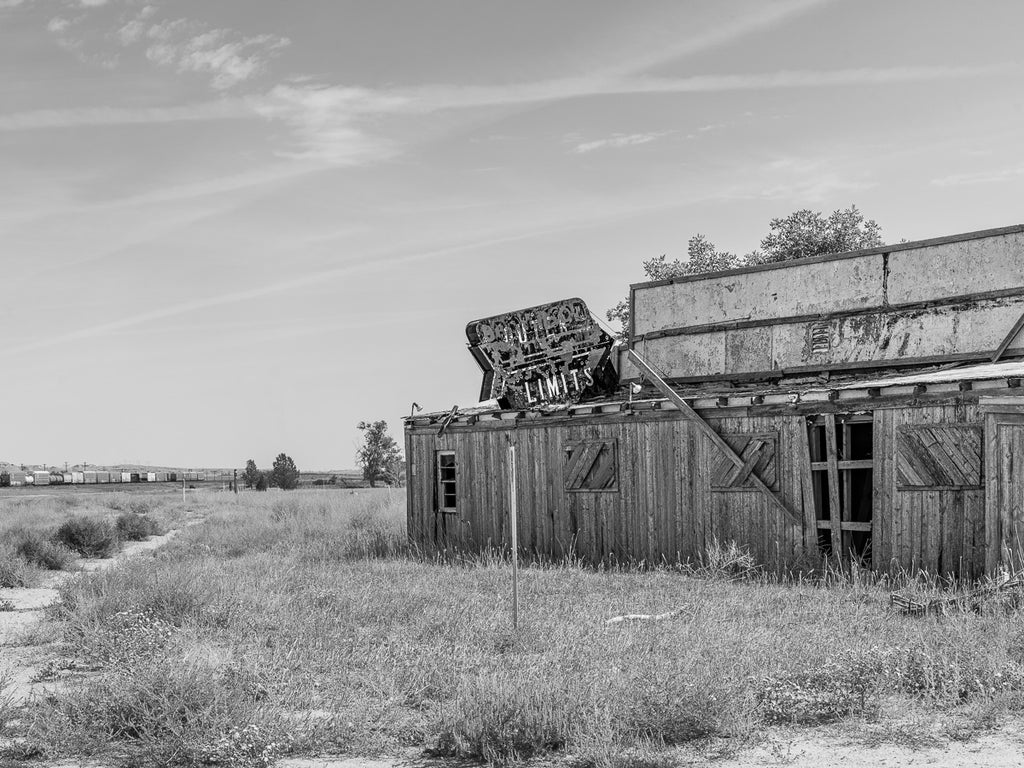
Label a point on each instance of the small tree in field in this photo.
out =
(379, 455)
(252, 474)
(261, 482)
(5, 479)
(284, 475)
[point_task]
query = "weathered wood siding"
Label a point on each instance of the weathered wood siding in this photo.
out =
(941, 531)
(664, 508)
(746, 516)
(670, 505)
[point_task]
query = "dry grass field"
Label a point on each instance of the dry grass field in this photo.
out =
(302, 623)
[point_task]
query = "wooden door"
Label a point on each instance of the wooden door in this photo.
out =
(1004, 469)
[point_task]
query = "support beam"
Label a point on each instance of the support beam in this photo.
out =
(708, 431)
(1009, 338)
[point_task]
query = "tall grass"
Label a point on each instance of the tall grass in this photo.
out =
(302, 622)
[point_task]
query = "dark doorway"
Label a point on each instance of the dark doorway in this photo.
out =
(841, 471)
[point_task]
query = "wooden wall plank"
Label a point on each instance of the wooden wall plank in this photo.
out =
(832, 457)
(881, 515)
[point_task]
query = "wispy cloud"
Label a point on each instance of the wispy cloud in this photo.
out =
(224, 109)
(385, 260)
(432, 98)
(762, 17)
(618, 140)
(325, 121)
(338, 124)
(803, 180)
(228, 57)
(993, 176)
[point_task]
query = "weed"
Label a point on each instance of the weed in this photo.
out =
(729, 561)
(157, 713)
(88, 536)
(846, 685)
(36, 548)
(14, 571)
(249, 745)
(135, 526)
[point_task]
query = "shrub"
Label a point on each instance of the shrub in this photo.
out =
(89, 537)
(840, 687)
(37, 549)
(140, 506)
(496, 718)
(14, 572)
(136, 527)
(185, 713)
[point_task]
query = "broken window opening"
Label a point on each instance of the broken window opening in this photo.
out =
(842, 466)
(447, 495)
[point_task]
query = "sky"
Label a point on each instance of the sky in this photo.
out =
(238, 228)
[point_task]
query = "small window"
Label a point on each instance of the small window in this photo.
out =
(446, 486)
(592, 466)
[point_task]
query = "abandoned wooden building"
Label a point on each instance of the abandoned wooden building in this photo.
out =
(863, 404)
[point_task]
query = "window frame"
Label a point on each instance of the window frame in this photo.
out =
(440, 481)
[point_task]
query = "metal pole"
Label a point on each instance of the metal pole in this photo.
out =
(513, 513)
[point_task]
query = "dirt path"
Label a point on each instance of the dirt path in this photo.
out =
(22, 651)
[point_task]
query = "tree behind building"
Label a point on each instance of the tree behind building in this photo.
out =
(802, 233)
(379, 455)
